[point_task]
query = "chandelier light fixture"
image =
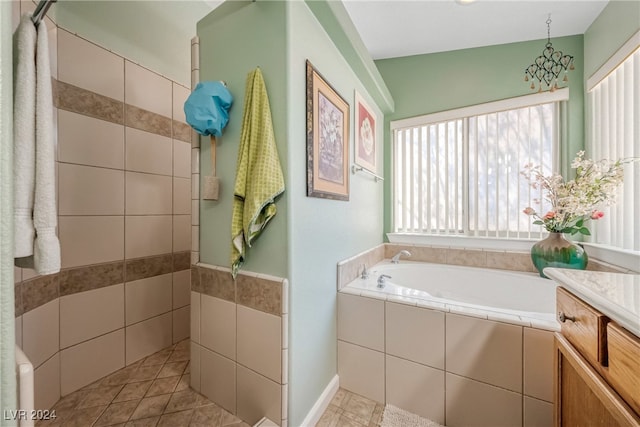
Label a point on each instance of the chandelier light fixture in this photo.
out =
(547, 68)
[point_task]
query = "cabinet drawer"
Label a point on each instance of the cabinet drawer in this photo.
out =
(583, 326)
(624, 364)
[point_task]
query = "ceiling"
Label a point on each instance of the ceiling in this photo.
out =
(393, 28)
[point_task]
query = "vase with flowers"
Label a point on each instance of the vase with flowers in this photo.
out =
(572, 205)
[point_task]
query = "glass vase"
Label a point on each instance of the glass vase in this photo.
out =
(556, 251)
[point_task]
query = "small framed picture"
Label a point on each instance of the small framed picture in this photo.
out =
(327, 139)
(365, 135)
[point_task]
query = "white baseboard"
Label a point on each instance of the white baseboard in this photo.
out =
(322, 403)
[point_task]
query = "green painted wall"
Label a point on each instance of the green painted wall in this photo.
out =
(424, 84)
(309, 235)
(155, 34)
(322, 232)
(235, 38)
(619, 20)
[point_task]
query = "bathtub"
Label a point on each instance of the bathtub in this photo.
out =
(515, 297)
(457, 345)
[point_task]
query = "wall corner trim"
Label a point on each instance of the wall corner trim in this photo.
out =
(322, 403)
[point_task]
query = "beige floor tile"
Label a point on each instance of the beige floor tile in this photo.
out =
(100, 396)
(151, 406)
(359, 409)
(158, 358)
(207, 416)
(181, 418)
(330, 416)
(184, 382)
(144, 373)
(182, 400)
(163, 386)
(345, 421)
(85, 417)
(339, 397)
(116, 413)
(172, 369)
(133, 391)
(144, 422)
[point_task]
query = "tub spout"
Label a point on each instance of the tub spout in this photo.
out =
(396, 257)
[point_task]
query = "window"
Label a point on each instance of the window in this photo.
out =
(458, 172)
(613, 131)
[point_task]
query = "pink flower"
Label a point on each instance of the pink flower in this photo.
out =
(595, 215)
(529, 211)
(549, 215)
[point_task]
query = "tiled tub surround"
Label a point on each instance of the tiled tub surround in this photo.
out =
(456, 369)
(124, 206)
(351, 268)
(239, 342)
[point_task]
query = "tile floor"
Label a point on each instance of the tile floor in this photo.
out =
(348, 409)
(151, 392)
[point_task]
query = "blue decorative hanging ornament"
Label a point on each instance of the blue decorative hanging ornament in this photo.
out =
(207, 108)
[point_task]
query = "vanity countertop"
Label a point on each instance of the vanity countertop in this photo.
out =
(616, 295)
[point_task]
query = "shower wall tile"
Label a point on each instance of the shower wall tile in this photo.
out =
(18, 331)
(181, 159)
(88, 190)
(218, 379)
(218, 326)
(181, 324)
(259, 293)
(181, 260)
(89, 141)
(180, 95)
(86, 315)
(181, 288)
(146, 298)
(46, 381)
(515, 261)
(194, 366)
(148, 152)
(181, 131)
(81, 279)
(89, 361)
(88, 240)
(195, 317)
(182, 196)
(72, 98)
(17, 292)
(39, 291)
(147, 337)
(148, 267)
(257, 397)
(217, 283)
(195, 213)
(142, 119)
(89, 66)
(147, 235)
(259, 342)
(41, 332)
(181, 232)
(148, 90)
(148, 194)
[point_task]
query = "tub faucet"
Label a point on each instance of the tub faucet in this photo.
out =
(396, 257)
(365, 272)
(382, 280)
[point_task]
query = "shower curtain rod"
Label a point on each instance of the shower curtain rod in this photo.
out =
(41, 10)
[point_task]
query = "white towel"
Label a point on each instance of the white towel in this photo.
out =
(24, 137)
(46, 247)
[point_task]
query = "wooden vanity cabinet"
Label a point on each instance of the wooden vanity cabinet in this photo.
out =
(597, 369)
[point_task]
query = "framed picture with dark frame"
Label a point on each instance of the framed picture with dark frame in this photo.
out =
(327, 139)
(365, 135)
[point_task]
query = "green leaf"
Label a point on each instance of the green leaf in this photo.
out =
(579, 222)
(538, 222)
(585, 231)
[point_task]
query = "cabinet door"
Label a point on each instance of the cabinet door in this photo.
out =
(582, 397)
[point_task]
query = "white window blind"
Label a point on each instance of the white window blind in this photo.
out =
(614, 132)
(461, 175)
